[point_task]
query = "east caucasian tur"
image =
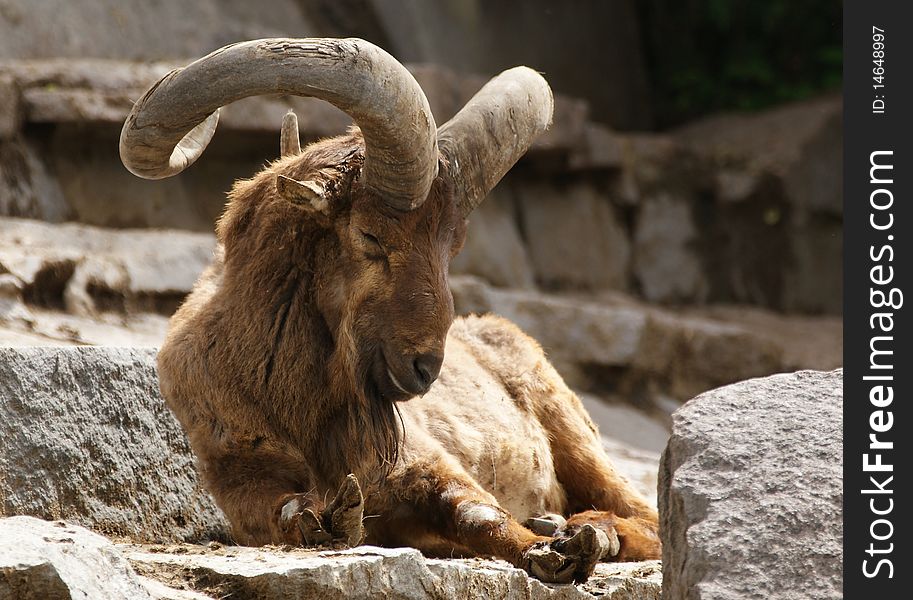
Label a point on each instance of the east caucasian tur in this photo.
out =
(317, 368)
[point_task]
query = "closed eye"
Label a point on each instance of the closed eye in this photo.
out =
(373, 247)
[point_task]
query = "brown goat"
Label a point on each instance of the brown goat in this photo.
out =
(308, 365)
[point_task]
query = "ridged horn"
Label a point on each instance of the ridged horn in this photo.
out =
(495, 128)
(170, 126)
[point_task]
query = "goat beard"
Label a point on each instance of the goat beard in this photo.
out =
(370, 443)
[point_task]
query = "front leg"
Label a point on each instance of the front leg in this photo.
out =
(436, 507)
(268, 496)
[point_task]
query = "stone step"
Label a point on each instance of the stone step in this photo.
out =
(102, 92)
(62, 560)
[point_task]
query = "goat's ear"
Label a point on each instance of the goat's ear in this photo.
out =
(310, 195)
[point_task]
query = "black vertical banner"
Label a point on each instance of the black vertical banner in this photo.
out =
(878, 260)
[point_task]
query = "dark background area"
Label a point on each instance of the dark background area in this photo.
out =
(648, 64)
(641, 65)
(703, 56)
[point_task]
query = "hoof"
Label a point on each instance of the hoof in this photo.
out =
(345, 513)
(570, 559)
(546, 524)
(339, 524)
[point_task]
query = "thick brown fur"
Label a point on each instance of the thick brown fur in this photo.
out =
(285, 367)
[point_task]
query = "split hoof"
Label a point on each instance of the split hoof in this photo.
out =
(340, 523)
(570, 559)
(345, 513)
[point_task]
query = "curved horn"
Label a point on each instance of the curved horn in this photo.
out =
(495, 128)
(356, 76)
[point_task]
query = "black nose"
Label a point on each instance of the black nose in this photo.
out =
(427, 368)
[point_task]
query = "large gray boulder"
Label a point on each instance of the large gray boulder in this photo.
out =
(86, 436)
(751, 494)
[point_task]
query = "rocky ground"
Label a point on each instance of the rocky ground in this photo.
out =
(68, 561)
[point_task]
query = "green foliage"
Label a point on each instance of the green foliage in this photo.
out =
(709, 55)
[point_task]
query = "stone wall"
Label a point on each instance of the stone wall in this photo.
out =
(734, 209)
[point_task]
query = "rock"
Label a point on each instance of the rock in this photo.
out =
(691, 354)
(372, 572)
(567, 131)
(798, 143)
(27, 186)
(102, 92)
(602, 149)
(10, 107)
(814, 282)
(486, 38)
(569, 330)
(493, 248)
(96, 91)
(750, 491)
(776, 225)
(88, 270)
(574, 237)
(69, 168)
(40, 559)
(807, 342)
(665, 265)
(444, 89)
(652, 163)
(85, 435)
(138, 30)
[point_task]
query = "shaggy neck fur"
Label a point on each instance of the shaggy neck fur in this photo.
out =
(306, 373)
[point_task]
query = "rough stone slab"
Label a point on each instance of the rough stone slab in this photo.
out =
(576, 239)
(665, 262)
(689, 354)
(103, 91)
(59, 561)
(86, 436)
(798, 143)
(750, 491)
(570, 329)
(494, 249)
(372, 572)
(89, 267)
(602, 149)
(141, 30)
(10, 107)
(91, 90)
(27, 186)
